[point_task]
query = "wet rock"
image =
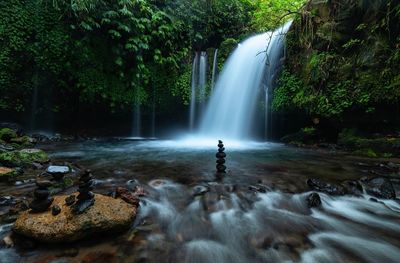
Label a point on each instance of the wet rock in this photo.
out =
(127, 196)
(42, 200)
(199, 190)
(7, 200)
(352, 187)
(58, 171)
(107, 215)
(40, 137)
(379, 187)
(8, 242)
(55, 210)
(85, 197)
(70, 200)
(313, 200)
(321, 186)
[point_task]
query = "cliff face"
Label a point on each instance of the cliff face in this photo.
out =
(343, 62)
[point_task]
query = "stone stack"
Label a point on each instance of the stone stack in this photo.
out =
(85, 196)
(42, 200)
(221, 168)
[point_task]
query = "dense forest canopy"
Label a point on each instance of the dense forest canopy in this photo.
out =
(111, 54)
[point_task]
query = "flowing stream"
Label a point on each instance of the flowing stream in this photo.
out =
(258, 213)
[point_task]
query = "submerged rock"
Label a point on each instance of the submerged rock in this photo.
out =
(127, 196)
(379, 187)
(313, 200)
(321, 186)
(105, 216)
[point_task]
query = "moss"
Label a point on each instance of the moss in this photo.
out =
(23, 142)
(371, 147)
(23, 157)
(366, 152)
(7, 134)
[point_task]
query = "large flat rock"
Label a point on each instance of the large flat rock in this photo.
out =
(107, 215)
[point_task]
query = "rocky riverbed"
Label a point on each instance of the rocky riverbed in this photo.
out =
(275, 204)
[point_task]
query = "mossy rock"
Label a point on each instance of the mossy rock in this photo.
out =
(24, 141)
(23, 157)
(370, 147)
(7, 174)
(7, 134)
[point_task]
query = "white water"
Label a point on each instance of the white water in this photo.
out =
(202, 82)
(214, 70)
(232, 105)
(193, 92)
(277, 227)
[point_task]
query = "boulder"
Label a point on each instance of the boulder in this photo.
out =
(379, 187)
(321, 186)
(107, 215)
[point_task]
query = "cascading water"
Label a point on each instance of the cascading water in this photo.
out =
(193, 92)
(214, 70)
(275, 59)
(199, 85)
(202, 82)
(232, 106)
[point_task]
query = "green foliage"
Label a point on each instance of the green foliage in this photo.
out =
(7, 134)
(352, 67)
(270, 14)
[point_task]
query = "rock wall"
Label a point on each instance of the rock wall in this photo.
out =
(343, 63)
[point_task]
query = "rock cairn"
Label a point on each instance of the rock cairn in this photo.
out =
(85, 196)
(221, 168)
(42, 200)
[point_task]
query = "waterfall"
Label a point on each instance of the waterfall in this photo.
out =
(214, 70)
(233, 103)
(202, 82)
(193, 92)
(199, 86)
(275, 59)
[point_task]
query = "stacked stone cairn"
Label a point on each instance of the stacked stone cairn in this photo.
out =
(221, 168)
(85, 196)
(42, 200)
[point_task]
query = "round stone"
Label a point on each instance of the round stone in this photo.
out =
(220, 161)
(41, 193)
(221, 167)
(220, 155)
(55, 210)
